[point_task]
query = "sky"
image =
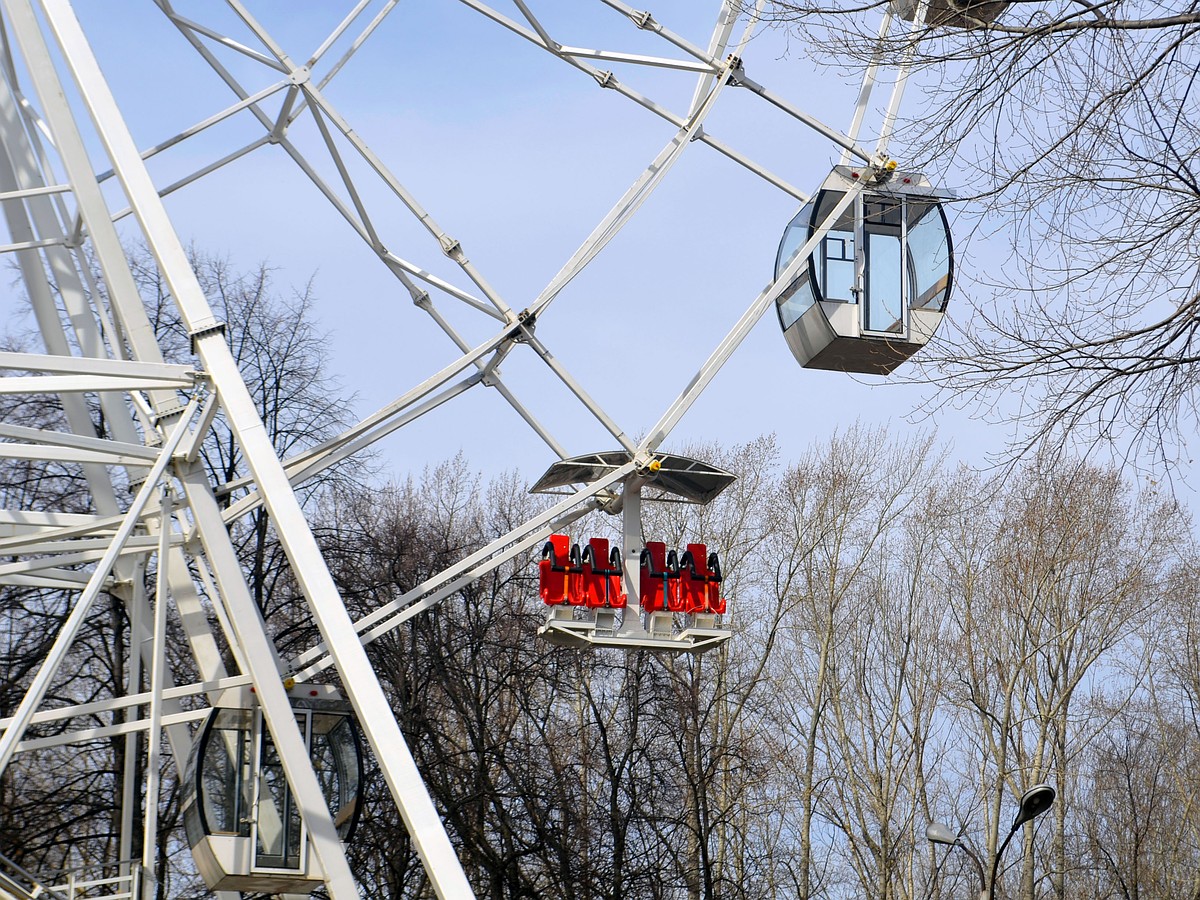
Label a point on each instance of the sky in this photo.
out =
(518, 156)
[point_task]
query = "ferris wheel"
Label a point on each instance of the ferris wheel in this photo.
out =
(862, 277)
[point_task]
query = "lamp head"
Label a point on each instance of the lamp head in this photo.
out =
(1034, 802)
(940, 834)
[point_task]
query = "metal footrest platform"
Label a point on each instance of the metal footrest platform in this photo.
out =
(605, 628)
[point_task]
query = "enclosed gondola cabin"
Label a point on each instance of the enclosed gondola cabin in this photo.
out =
(952, 13)
(875, 287)
(241, 818)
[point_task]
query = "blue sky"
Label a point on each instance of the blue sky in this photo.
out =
(518, 156)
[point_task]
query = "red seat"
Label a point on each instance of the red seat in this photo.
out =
(601, 575)
(693, 579)
(715, 602)
(700, 581)
(660, 579)
(575, 577)
(553, 570)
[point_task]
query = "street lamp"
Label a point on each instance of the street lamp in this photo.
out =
(1034, 802)
(940, 834)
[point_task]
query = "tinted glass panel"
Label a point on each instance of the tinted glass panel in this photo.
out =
(798, 296)
(793, 238)
(795, 301)
(225, 777)
(837, 265)
(928, 255)
(884, 212)
(278, 821)
(335, 759)
(833, 262)
(883, 270)
(884, 309)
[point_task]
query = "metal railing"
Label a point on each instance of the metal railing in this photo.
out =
(17, 883)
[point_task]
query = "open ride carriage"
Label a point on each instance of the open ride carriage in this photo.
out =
(648, 597)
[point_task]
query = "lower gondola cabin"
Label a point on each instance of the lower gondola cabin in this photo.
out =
(240, 815)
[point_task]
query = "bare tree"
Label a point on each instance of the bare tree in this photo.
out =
(1071, 130)
(49, 823)
(565, 773)
(1050, 581)
(283, 357)
(1138, 809)
(841, 726)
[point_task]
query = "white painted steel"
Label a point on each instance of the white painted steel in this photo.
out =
(108, 448)
(54, 578)
(15, 520)
(537, 26)
(380, 727)
(110, 456)
(893, 109)
(26, 525)
(33, 192)
(631, 546)
(79, 549)
(62, 642)
(727, 17)
(868, 84)
(83, 735)
(79, 384)
(78, 710)
(742, 327)
(635, 58)
(154, 727)
(49, 234)
(119, 368)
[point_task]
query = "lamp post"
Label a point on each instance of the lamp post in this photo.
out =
(1034, 802)
(937, 833)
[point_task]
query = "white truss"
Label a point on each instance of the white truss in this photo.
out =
(54, 105)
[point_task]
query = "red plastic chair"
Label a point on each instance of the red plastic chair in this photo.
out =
(553, 570)
(694, 579)
(602, 583)
(716, 603)
(660, 579)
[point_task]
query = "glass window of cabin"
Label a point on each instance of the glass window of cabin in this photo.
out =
(928, 255)
(883, 265)
(796, 300)
(793, 238)
(797, 297)
(225, 775)
(278, 819)
(833, 259)
(336, 762)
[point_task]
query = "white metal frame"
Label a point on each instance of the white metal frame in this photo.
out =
(58, 212)
(256, 793)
